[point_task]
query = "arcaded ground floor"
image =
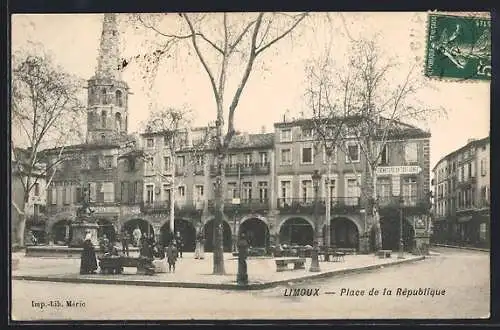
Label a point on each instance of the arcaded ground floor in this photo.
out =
(475, 231)
(261, 230)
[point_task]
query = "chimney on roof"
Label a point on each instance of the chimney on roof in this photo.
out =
(263, 129)
(246, 137)
(286, 116)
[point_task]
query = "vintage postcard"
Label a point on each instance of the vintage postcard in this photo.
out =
(244, 166)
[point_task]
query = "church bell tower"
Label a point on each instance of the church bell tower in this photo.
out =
(107, 110)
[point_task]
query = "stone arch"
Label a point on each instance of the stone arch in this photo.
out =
(58, 217)
(208, 232)
(118, 121)
(130, 225)
(186, 230)
(344, 232)
(60, 231)
(256, 231)
(285, 219)
(119, 98)
(296, 230)
(254, 216)
(36, 226)
(391, 232)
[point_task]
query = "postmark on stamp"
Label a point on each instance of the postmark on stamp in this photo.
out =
(458, 47)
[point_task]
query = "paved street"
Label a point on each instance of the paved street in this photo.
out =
(464, 275)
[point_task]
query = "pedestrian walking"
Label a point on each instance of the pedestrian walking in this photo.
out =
(171, 257)
(242, 277)
(125, 241)
(180, 245)
(137, 236)
(197, 250)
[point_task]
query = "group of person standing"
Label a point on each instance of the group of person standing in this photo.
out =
(149, 248)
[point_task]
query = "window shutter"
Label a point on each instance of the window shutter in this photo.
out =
(139, 191)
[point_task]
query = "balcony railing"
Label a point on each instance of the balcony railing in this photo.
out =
(244, 169)
(245, 205)
(338, 205)
(181, 207)
(395, 201)
(70, 207)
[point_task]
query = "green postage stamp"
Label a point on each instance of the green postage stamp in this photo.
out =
(458, 47)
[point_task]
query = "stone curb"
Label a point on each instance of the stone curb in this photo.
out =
(462, 247)
(253, 286)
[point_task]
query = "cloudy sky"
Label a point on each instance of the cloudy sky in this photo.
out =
(277, 85)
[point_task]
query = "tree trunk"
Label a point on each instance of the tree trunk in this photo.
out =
(21, 223)
(218, 246)
(172, 201)
(375, 213)
(328, 204)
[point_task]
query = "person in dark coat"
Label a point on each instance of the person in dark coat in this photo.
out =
(146, 250)
(88, 261)
(125, 241)
(171, 256)
(242, 277)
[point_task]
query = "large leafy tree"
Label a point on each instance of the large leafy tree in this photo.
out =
(227, 46)
(46, 112)
(362, 103)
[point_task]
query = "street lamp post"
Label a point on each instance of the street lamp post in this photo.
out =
(236, 204)
(401, 245)
(316, 177)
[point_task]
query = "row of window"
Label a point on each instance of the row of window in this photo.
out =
(105, 192)
(384, 188)
(104, 120)
(464, 171)
(182, 140)
(199, 161)
(105, 98)
(353, 154)
(68, 194)
(96, 161)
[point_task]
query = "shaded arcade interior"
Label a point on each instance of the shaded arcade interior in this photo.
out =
(185, 229)
(390, 226)
(256, 232)
(343, 233)
(209, 231)
(144, 226)
(296, 231)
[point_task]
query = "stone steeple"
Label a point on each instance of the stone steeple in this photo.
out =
(107, 115)
(109, 54)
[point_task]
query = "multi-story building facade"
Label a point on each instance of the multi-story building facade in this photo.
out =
(404, 165)
(186, 178)
(462, 195)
